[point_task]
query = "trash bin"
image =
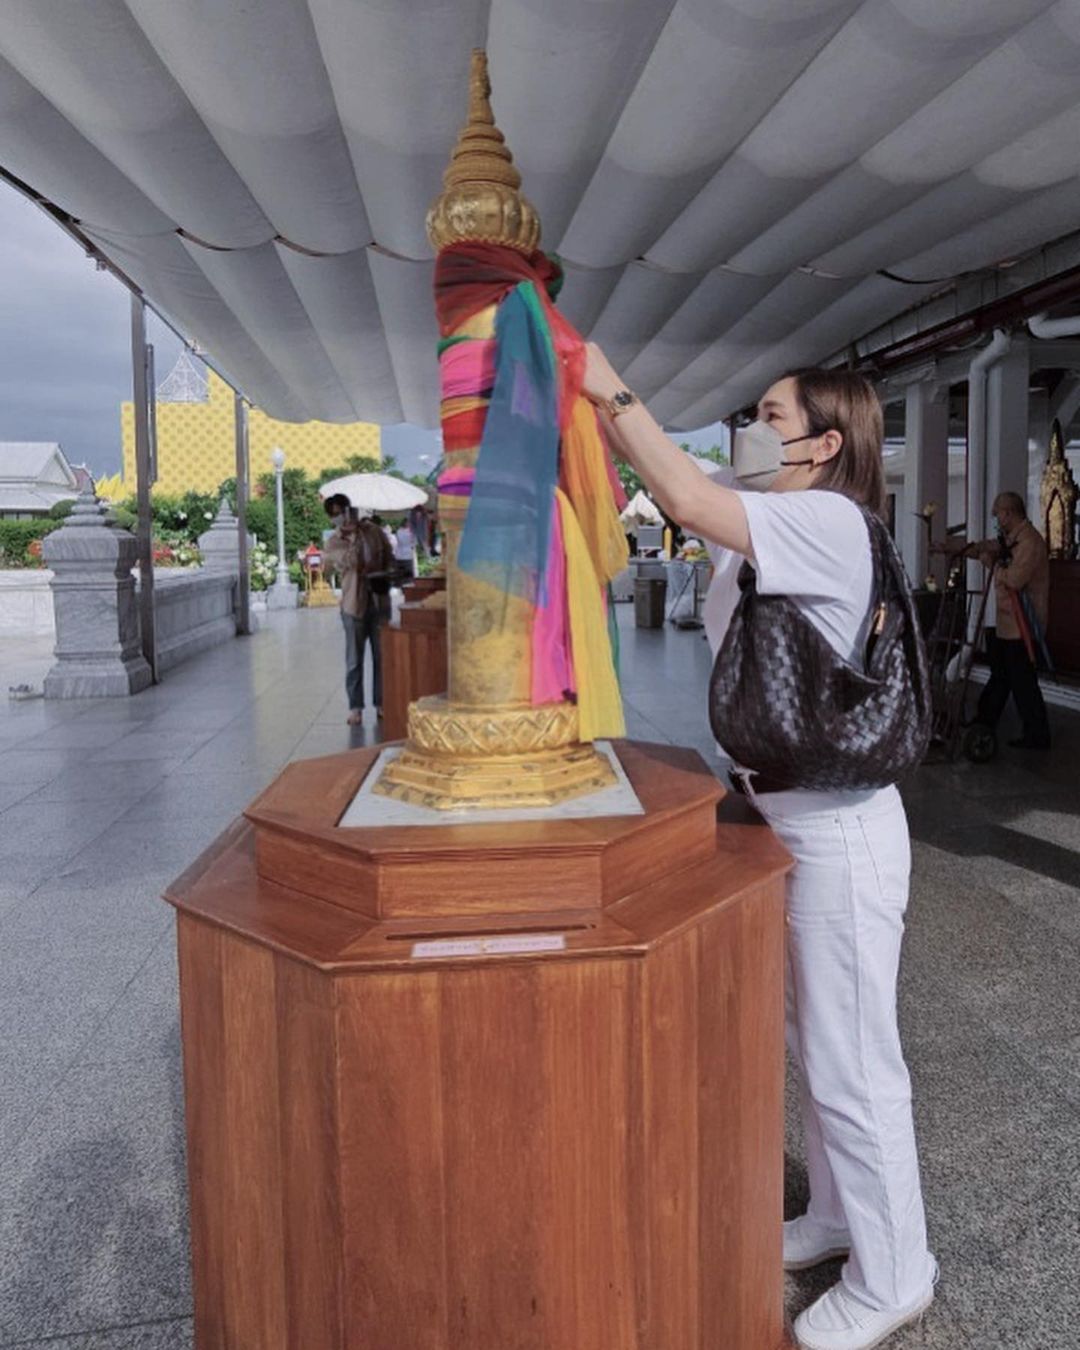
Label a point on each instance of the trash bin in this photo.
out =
(650, 596)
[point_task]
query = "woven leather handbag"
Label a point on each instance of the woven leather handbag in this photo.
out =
(789, 708)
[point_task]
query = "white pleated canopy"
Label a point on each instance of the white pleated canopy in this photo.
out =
(735, 186)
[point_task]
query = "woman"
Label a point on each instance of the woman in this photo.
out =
(817, 444)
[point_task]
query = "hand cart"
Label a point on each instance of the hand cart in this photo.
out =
(955, 638)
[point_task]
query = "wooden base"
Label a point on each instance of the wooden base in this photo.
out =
(419, 588)
(578, 1147)
(413, 666)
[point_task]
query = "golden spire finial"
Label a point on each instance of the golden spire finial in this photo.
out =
(480, 202)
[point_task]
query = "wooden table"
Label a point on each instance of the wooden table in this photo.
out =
(569, 1137)
(414, 663)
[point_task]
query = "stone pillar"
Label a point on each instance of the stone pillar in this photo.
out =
(1006, 429)
(218, 544)
(926, 474)
(98, 653)
(1040, 420)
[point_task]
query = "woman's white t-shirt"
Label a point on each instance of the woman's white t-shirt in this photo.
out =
(810, 546)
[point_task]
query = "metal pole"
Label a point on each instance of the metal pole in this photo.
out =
(278, 458)
(243, 593)
(143, 480)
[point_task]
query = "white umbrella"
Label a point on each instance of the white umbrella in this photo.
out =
(376, 491)
(640, 510)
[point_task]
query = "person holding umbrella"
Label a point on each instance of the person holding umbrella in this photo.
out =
(359, 551)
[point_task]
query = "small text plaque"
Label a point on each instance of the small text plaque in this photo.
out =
(509, 944)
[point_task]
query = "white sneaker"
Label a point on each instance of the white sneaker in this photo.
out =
(837, 1321)
(807, 1243)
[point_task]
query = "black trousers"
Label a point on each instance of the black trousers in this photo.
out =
(358, 633)
(1013, 672)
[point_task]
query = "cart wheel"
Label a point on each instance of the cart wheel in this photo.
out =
(980, 743)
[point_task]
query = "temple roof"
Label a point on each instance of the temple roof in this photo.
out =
(34, 476)
(185, 383)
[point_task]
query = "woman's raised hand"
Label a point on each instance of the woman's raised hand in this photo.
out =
(601, 381)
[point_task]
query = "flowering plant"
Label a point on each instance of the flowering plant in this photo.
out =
(173, 548)
(262, 566)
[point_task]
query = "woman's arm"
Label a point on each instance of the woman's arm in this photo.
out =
(700, 506)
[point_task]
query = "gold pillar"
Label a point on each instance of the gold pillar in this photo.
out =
(487, 745)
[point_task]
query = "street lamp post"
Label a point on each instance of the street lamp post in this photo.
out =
(283, 594)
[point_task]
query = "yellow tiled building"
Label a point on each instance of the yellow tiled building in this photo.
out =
(196, 435)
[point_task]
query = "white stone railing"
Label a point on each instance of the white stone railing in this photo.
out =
(95, 601)
(26, 604)
(193, 609)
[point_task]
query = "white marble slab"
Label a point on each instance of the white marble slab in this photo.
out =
(368, 809)
(26, 603)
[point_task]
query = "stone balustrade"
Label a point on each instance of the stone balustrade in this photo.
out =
(26, 603)
(193, 609)
(95, 603)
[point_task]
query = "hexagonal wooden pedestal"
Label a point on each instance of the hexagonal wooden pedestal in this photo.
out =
(569, 1138)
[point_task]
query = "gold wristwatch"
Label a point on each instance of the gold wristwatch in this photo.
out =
(620, 402)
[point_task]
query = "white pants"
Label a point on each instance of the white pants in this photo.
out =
(846, 898)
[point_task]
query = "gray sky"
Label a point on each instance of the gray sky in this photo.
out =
(65, 349)
(65, 340)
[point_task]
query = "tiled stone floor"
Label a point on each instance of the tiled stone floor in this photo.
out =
(102, 803)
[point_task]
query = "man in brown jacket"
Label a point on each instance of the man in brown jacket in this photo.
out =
(1022, 573)
(360, 553)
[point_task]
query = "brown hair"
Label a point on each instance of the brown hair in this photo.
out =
(841, 400)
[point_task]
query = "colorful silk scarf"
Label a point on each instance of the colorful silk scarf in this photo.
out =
(543, 503)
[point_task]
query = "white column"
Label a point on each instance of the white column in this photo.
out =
(283, 594)
(926, 473)
(1039, 422)
(1006, 426)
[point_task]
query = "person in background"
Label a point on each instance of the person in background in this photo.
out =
(420, 523)
(384, 526)
(361, 554)
(1021, 565)
(404, 552)
(335, 507)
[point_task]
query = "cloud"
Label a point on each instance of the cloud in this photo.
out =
(65, 340)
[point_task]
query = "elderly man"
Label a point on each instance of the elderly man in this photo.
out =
(1022, 593)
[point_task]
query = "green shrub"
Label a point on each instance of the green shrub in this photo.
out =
(20, 541)
(305, 518)
(61, 510)
(187, 513)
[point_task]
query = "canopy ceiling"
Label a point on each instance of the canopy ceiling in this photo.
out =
(735, 186)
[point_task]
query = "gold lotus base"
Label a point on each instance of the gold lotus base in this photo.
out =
(490, 758)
